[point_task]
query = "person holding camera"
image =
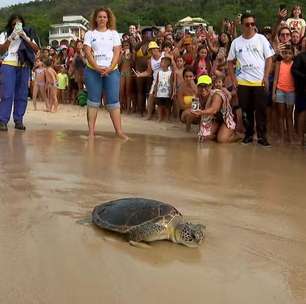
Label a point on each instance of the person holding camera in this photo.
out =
(217, 120)
(19, 47)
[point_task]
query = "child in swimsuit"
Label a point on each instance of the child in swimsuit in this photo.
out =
(51, 85)
(126, 64)
(39, 83)
(178, 68)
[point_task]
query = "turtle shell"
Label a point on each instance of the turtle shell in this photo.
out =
(123, 214)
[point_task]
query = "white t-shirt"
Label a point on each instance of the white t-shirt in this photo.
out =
(296, 24)
(164, 84)
(102, 44)
(251, 55)
(11, 56)
(155, 65)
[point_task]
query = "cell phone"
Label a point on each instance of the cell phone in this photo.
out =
(282, 7)
(18, 27)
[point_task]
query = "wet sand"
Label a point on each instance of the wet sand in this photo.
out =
(251, 199)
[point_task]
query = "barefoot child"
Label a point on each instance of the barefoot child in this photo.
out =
(283, 94)
(51, 85)
(163, 90)
(40, 83)
(178, 69)
(62, 84)
(126, 64)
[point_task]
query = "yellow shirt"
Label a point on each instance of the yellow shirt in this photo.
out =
(62, 81)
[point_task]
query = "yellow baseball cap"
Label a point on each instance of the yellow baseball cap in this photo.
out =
(204, 79)
(153, 45)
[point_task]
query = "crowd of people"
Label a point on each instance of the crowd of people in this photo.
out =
(230, 85)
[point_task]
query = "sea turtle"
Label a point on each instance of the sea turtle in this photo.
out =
(147, 220)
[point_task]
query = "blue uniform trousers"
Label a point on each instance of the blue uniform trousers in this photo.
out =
(13, 89)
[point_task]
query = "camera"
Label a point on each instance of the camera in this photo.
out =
(195, 104)
(18, 27)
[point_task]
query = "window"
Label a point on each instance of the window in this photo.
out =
(64, 30)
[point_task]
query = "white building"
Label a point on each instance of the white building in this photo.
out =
(72, 28)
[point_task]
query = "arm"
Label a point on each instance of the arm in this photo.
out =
(231, 73)
(29, 42)
(116, 56)
(281, 16)
(148, 72)
(180, 99)
(90, 58)
(302, 32)
(4, 47)
(213, 48)
(213, 108)
(67, 82)
(234, 29)
(114, 63)
(268, 65)
(172, 82)
(297, 69)
(7, 41)
(155, 85)
(276, 74)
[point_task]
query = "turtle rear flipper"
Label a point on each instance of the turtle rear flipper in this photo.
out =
(139, 245)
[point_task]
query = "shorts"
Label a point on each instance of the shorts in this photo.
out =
(163, 101)
(287, 98)
(300, 103)
(98, 85)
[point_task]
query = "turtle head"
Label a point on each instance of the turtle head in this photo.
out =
(189, 234)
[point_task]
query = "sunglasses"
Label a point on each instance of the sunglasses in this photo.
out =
(248, 24)
(285, 34)
(203, 86)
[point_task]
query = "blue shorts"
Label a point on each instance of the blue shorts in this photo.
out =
(287, 98)
(106, 86)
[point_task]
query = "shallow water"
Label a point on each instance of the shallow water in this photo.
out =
(251, 199)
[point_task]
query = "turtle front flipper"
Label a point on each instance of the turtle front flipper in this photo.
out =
(148, 232)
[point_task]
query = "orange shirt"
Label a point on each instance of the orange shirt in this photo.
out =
(285, 79)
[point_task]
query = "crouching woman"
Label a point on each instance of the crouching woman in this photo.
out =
(217, 121)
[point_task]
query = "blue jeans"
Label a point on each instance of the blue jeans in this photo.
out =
(13, 89)
(106, 86)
